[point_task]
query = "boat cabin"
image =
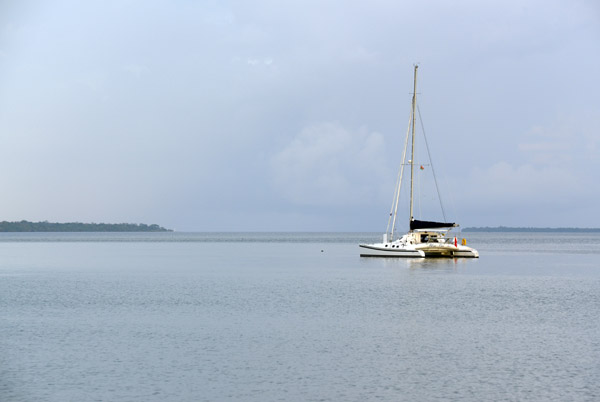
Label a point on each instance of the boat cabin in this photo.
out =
(429, 237)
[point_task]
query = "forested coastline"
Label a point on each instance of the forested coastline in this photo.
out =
(530, 229)
(26, 226)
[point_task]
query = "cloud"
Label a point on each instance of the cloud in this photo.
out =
(511, 184)
(189, 101)
(95, 81)
(328, 164)
(546, 152)
(550, 169)
(545, 178)
(136, 70)
(268, 62)
(566, 140)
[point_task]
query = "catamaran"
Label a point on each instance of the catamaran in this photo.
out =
(424, 238)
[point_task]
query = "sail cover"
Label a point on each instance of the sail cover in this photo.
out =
(416, 224)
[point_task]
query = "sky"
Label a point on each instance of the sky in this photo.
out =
(291, 116)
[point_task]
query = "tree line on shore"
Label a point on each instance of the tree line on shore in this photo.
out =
(529, 229)
(26, 226)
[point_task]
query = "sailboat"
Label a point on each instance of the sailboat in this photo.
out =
(424, 238)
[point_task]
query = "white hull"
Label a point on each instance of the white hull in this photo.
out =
(419, 244)
(447, 250)
(393, 250)
(472, 253)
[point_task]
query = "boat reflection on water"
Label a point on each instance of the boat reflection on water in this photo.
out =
(429, 265)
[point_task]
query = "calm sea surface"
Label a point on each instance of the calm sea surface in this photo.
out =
(296, 317)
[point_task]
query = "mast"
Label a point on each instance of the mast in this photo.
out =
(412, 153)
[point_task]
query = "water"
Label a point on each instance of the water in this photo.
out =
(296, 317)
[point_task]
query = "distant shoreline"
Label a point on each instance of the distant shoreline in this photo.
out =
(530, 229)
(26, 226)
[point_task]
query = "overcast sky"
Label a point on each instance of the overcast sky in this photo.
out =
(291, 115)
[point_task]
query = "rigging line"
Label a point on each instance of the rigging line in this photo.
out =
(394, 199)
(399, 182)
(453, 210)
(431, 161)
(418, 191)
